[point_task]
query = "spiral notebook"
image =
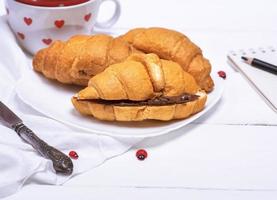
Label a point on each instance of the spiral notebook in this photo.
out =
(265, 83)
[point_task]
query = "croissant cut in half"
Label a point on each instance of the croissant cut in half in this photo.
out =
(140, 88)
(172, 45)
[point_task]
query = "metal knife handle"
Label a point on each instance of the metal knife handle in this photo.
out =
(61, 162)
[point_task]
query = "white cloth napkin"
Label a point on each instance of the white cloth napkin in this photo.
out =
(19, 162)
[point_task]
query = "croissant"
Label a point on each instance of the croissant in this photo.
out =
(172, 45)
(141, 87)
(81, 57)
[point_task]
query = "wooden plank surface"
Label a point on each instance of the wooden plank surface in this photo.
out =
(227, 154)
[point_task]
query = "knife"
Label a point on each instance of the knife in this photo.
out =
(61, 162)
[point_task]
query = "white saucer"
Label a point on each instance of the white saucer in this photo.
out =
(54, 100)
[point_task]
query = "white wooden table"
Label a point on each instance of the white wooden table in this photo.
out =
(230, 153)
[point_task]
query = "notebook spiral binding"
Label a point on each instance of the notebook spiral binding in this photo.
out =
(253, 51)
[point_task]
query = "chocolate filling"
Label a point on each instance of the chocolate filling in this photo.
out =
(157, 101)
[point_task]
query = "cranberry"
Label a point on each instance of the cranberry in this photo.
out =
(141, 154)
(73, 155)
(222, 74)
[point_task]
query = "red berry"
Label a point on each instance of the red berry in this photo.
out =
(221, 74)
(141, 154)
(73, 155)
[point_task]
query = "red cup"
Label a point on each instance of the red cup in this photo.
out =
(52, 3)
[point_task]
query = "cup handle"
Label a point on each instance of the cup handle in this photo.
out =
(108, 23)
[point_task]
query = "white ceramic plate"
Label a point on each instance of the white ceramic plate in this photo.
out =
(53, 100)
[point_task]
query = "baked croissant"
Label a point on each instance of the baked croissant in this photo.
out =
(172, 45)
(81, 57)
(142, 87)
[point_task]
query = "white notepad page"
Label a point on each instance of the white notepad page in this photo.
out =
(265, 83)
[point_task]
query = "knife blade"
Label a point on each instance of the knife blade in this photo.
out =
(7, 117)
(61, 162)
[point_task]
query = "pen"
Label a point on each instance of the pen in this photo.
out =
(260, 64)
